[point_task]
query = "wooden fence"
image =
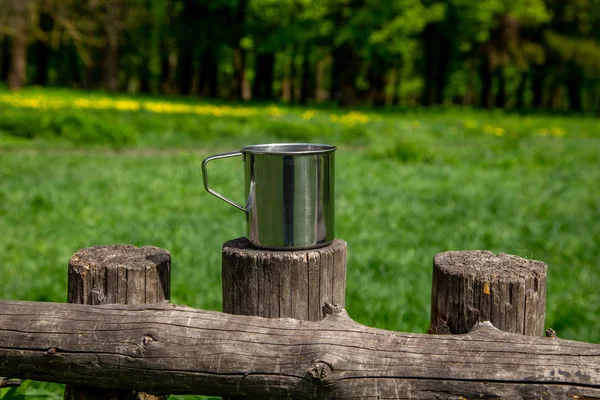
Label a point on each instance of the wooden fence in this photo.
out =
(120, 338)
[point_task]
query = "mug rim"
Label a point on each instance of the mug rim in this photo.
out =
(289, 148)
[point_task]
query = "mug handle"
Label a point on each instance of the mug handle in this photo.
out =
(205, 177)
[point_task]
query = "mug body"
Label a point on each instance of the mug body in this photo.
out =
(290, 193)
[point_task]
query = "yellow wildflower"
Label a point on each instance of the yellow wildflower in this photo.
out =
(489, 129)
(471, 124)
(101, 103)
(543, 132)
(127, 105)
(493, 130)
(308, 114)
(352, 118)
(274, 111)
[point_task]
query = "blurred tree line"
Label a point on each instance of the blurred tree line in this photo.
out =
(489, 53)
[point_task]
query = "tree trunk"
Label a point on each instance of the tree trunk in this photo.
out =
(239, 73)
(69, 71)
(520, 94)
(263, 80)
(554, 97)
(336, 67)
(321, 92)
(574, 90)
(293, 74)
(86, 76)
(165, 69)
(501, 95)
(212, 74)
(113, 27)
(470, 92)
(42, 51)
(376, 77)
(305, 77)
(538, 87)
(239, 53)
(185, 66)
(443, 64)
(437, 53)
(145, 76)
(394, 98)
(111, 67)
(436, 48)
(429, 59)
(486, 83)
(345, 68)
(594, 93)
(164, 348)
(18, 63)
(203, 72)
(4, 58)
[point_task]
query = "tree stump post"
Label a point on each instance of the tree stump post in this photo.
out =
(475, 286)
(283, 284)
(117, 274)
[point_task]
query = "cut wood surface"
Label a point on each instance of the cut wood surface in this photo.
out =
(477, 285)
(122, 274)
(173, 349)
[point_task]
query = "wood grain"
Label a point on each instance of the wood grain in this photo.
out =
(117, 274)
(475, 286)
(171, 349)
(291, 284)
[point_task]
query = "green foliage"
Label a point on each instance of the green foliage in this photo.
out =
(398, 20)
(580, 52)
(408, 185)
(28, 391)
(403, 148)
(68, 125)
(368, 51)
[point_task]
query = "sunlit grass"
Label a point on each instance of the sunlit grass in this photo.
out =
(408, 185)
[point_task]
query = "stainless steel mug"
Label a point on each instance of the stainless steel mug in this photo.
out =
(290, 194)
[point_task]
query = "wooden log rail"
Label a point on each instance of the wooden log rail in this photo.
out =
(163, 348)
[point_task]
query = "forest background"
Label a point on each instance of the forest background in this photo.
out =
(460, 124)
(513, 54)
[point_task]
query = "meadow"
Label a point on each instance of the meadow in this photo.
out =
(79, 169)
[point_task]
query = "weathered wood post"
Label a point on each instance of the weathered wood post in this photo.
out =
(476, 286)
(286, 284)
(121, 274)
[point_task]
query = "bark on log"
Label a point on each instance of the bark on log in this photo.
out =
(170, 349)
(117, 274)
(9, 382)
(476, 286)
(282, 284)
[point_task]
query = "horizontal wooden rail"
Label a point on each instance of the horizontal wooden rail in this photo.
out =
(172, 349)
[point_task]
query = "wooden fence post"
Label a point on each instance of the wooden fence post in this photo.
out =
(282, 284)
(121, 274)
(476, 286)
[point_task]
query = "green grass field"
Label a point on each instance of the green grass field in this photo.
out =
(409, 184)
